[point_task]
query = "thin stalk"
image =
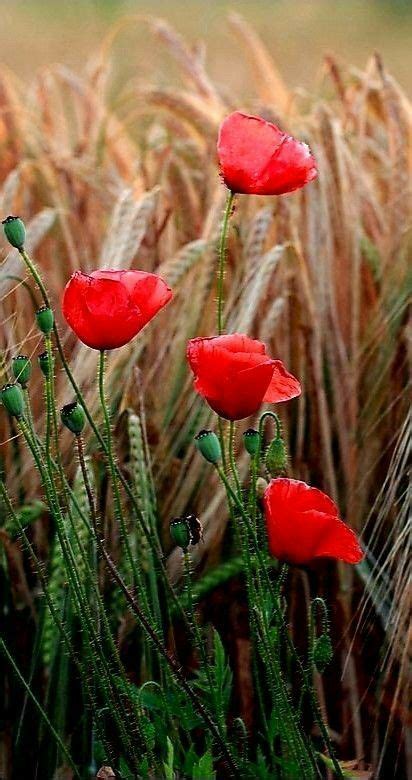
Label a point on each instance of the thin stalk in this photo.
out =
(222, 260)
(55, 467)
(42, 713)
(115, 484)
(95, 526)
(199, 642)
(135, 608)
(232, 459)
(167, 656)
(310, 686)
(51, 605)
(72, 574)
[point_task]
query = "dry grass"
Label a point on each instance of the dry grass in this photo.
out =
(320, 276)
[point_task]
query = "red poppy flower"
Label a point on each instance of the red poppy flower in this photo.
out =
(256, 158)
(303, 523)
(235, 375)
(106, 309)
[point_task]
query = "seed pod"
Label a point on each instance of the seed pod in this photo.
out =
(21, 367)
(322, 652)
(45, 364)
(14, 231)
(73, 417)
(251, 439)
(186, 530)
(45, 319)
(209, 446)
(13, 400)
(180, 532)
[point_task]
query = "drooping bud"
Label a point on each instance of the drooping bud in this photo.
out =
(186, 530)
(13, 400)
(208, 445)
(261, 486)
(251, 439)
(21, 367)
(73, 417)
(45, 364)
(276, 458)
(322, 652)
(14, 231)
(45, 319)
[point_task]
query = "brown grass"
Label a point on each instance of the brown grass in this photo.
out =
(320, 276)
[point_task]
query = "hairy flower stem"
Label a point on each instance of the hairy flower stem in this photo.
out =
(69, 494)
(233, 465)
(199, 641)
(95, 526)
(222, 260)
(151, 535)
(38, 566)
(115, 486)
(293, 734)
(42, 713)
(73, 578)
(167, 656)
(308, 682)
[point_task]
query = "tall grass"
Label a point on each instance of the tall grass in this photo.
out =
(322, 277)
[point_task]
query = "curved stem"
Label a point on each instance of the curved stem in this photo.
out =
(222, 260)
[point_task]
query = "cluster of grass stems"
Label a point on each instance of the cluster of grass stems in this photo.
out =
(97, 608)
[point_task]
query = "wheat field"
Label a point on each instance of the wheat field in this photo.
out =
(323, 277)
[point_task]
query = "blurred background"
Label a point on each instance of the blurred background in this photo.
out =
(297, 33)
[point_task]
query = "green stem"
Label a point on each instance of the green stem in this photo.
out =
(42, 713)
(73, 577)
(151, 536)
(233, 465)
(95, 526)
(115, 485)
(167, 656)
(309, 685)
(83, 671)
(222, 260)
(199, 642)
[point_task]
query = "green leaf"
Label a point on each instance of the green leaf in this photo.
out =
(27, 515)
(203, 770)
(168, 764)
(217, 684)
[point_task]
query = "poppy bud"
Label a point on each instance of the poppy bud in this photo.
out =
(13, 400)
(14, 231)
(21, 367)
(251, 438)
(276, 458)
(45, 320)
(186, 530)
(45, 364)
(73, 417)
(322, 652)
(209, 446)
(261, 486)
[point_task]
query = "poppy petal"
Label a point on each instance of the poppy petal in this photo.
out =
(303, 524)
(257, 158)
(283, 386)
